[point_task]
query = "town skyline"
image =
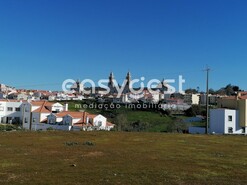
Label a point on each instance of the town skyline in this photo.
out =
(179, 83)
(46, 42)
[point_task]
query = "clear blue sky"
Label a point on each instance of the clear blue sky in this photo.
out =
(43, 42)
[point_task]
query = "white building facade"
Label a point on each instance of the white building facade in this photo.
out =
(225, 121)
(40, 115)
(10, 111)
(192, 99)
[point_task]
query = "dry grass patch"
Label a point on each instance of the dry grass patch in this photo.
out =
(121, 158)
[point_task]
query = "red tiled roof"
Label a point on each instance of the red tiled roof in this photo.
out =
(72, 114)
(43, 106)
(92, 115)
(80, 124)
(7, 100)
(242, 93)
(243, 97)
(109, 124)
(40, 103)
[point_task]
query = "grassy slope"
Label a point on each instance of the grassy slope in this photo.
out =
(156, 122)
(121, 158)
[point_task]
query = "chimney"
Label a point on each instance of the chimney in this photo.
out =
(65, 107)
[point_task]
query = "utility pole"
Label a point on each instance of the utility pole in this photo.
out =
(207, 101)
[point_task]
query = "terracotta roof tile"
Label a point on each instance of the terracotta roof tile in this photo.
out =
(92, 115)
(7, 100)
(243, 97)
(72, 114)
(43, 107)
(109, 124)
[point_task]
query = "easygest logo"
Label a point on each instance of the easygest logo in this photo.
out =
(151, 86)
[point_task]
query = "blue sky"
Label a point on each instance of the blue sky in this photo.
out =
(44, 42)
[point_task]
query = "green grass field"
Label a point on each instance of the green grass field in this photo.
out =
(55, 157)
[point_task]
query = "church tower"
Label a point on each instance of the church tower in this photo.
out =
(127, 85)
(111, 84)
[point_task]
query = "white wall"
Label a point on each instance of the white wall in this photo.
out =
(35, 117)
(11, 114)
(42, 126)
(100, 120)
(220, 123)
(192, 99)
(57, 107)
(26, 111)
(235, 124)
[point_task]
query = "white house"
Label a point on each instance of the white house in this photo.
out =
(10, 111)
(37, 111)
(192, 99)
(79, 121)
(35, 115)
(23, 96)
(225, 121)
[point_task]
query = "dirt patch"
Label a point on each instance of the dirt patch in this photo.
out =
(93, 154)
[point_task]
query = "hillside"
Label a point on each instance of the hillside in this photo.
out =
(127, 119)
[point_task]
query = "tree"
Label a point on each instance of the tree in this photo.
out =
(195, 110)
(211, 91)
(229, 90)
(121, 122)
(178, 125)
(191, 91)
(236, 88)
(138, 126)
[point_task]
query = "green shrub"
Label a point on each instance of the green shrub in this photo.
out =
(50, 128)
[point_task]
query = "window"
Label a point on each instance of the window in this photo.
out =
(34, 119)
(230, 130)
(26, 109)
(1, 108)
(243, 129)
(17, 109)
(9, 120)
(10, 109)
(66, 122)
(16, 120)
(229, 118)
(25, 120)
(99, 123)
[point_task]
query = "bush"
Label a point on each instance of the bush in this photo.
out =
(195, 110)
(71, 143)
(89, 143)
(50, 128)
(8, 127)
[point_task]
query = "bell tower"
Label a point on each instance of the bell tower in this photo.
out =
(111, 84)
